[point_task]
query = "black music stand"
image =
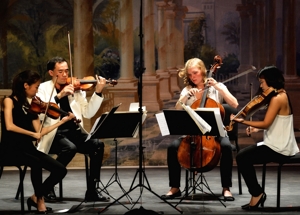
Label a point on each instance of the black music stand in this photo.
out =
(180, 122)
(114, 125)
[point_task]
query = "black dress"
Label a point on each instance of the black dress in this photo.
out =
(16, 148)
(14, 143)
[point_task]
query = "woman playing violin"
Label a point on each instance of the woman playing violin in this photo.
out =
(19, 129)
(195, 78)
(279, 139)
(68, 139)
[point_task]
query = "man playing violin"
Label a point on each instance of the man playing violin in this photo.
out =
(195, 77)
(68, 139)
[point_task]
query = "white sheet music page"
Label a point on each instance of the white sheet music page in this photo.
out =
(217, 117)
(93, 129)
(162, 123)
(133, 107)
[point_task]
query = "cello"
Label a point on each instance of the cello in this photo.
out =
(197, 151)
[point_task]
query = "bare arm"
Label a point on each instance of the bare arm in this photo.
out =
(228, 97)
(273, 109)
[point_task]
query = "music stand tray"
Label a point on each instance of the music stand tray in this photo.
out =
(113, 125)
(179, 122)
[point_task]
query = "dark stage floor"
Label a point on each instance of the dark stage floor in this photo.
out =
(145, 193)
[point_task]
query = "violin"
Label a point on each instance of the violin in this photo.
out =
(257, 103)
(85, 84)
(206, 151)
(37, 106)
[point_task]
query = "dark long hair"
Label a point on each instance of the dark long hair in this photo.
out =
(273, 77)
(28, 76)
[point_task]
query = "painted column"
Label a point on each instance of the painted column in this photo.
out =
(180, 12)
(125, 91)
(292, 85)
(270, 44)
(245, 46)
(261, 52)
(83, 62)
(172, 52)
(164, 75)
(151, 97)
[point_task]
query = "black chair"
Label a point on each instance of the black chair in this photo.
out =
(291, 160)
(22, 173)
(87, 172)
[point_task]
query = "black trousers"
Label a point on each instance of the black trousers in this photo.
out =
(37, 160)
(247, 157)
(226, 162)
(66, 144)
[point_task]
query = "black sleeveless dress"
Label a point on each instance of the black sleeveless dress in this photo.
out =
(13, 143)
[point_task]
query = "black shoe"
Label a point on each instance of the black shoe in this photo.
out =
(95, 196)
(174, 195)
(261, 202)
(30, 203)
(50, 197)
(245, 206)
(227, 198)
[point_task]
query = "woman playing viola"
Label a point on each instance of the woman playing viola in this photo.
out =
(195, 78)
(19, 129)
(279, 140)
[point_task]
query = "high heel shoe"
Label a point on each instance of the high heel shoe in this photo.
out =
(30, 203)
(245, 206)
(261, 202)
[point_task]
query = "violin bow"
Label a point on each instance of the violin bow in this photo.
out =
(47, 107)
(70, 56)
(253, 68)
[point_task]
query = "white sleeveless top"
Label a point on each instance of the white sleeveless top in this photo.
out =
(280, 136)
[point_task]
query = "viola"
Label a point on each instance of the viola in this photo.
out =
(206, 151)
(85, 84)
(52, 110)
(258, 102)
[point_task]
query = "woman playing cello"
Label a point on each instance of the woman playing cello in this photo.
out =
(279, 139)
(195, 78)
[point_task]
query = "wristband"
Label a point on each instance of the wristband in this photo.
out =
(56, 99)
(99, 94)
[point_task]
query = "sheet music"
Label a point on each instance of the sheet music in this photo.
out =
(96, 126)
(201, 123)
(217, 117)
(162, 123)
(135, 107)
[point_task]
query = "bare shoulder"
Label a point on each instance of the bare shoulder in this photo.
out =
(280, 101)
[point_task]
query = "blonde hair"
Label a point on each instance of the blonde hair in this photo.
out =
(193, 62)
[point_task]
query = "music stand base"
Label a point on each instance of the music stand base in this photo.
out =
(115, 178)
(197, 186)
(140, 172)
